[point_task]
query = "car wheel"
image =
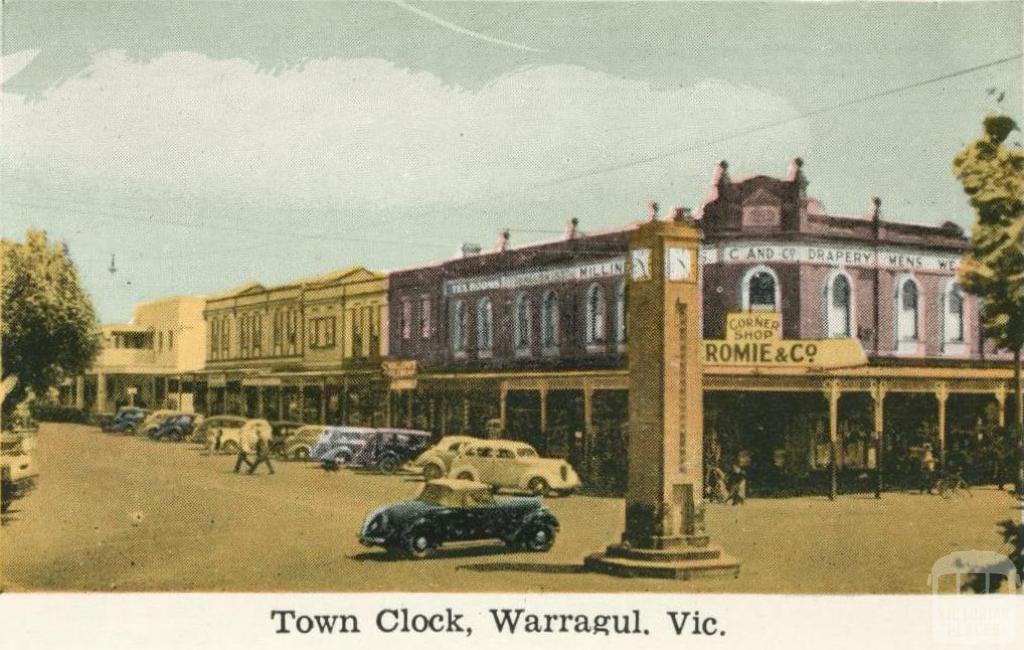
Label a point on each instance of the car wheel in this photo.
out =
(420, 544)
(538, 538)
(300, 454)
(465, 476)
(388, 465)
(537, 486)
(432, 472)
(229, 447)
(177, 436)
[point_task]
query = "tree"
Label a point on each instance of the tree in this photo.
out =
(48, 324)
(992, 175)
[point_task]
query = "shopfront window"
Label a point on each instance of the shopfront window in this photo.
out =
(907, 307)
(549, 320)
(838, 297)
(595, 314)
(484, 325)
(521, 324)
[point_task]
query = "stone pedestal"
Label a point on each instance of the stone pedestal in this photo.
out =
(664, 533)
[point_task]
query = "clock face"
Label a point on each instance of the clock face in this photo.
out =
(640, 264)
(678, 264)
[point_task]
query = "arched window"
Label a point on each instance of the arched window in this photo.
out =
(620, 312)
(457, 326)
(953, 316)
(907, 301)
(549, 320)
(521, 323)
(484, 325)
(595, 314)
(838, 306)
(760, 290)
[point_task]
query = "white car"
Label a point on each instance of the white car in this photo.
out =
(514, 465)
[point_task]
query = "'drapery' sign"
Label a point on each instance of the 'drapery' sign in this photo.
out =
(755, 339)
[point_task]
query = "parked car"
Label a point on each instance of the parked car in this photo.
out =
(154, 420)
(450, 510)
(514, 465)
(176, 428)
(437, 460)
(282, 431)
(18, 472)
(337, 446)
(299, 443)
(231, 436)
(217, 429)
(127, 418)
(388, 450)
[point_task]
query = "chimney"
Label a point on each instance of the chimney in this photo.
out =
(469, 250)
(570, 228)
(652, 210)
(502, 244)
(680, 213)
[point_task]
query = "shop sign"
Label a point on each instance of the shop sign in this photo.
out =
(217, 381)
(614, 267)
(753, 326)
(261, 381)
(825, 353)
(865, 256)
(401, 373)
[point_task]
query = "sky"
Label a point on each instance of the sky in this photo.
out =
(207, 145)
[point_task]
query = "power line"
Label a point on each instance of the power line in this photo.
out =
(597, 171)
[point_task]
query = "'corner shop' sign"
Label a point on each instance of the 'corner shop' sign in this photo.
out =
(755, 339)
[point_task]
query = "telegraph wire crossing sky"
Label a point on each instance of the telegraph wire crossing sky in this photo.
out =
(203, 161)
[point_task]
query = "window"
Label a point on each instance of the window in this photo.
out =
(506, 453)
(760, 290)
(484, 325)
(292, 331)
(549, 320)
(521, 324)
(953, 316)
(425, 317)
(160, 341)
(225, 338)
(322, 332)
(405, 319)
(170, 339)
(256, 342)
(373, 314)
(278, 332)
(838, 301)
(620, 312)
(595, 315)
(907, 310)
(357, 332)
(457, 326)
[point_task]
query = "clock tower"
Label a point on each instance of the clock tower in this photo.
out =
(664, 533)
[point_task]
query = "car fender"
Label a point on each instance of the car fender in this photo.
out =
(541, 515)
(419, 522)
(551, 477)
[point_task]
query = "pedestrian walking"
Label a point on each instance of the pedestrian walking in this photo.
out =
(737, 484)
(264, 433)
(928, 463)
(248, 437)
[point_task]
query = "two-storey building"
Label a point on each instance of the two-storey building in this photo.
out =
(532, 337)
(308, 350)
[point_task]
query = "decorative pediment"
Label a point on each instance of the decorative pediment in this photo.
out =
(760, 197)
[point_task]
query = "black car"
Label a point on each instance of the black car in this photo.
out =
(452, 510)
(175, 428)
(388, 450)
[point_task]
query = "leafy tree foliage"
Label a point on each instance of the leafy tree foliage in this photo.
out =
(49, 326)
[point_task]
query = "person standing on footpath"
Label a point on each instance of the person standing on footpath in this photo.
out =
(264, 433)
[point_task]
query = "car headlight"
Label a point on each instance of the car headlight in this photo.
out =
(376, 522)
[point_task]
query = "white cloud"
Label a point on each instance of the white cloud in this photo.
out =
(366, 132)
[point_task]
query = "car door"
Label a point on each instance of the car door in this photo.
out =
(483, 516)
(506, 469)
(483, 462)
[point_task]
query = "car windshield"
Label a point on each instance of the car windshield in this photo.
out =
(441, 495)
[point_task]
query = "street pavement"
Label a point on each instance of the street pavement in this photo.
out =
(116, 513)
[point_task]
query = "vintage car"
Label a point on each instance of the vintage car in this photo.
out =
(514, 465)
(299, 443)
(127, 418)
(387, 450)
(154, 420)
(231, 437)
(282, 431)
(437, 460)
(337, 446)
(18, 473)
(450, 510)
(176, 428)
(217, 429)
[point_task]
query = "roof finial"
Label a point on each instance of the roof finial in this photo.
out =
(876, 212)
(570, 228)
(796, 173)
(502, 244)
(652, 210)
(681, 213)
